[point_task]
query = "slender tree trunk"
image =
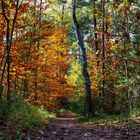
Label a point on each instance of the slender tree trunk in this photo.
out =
(128, 95)
(96, 36)
(90, 108)
(62, 18)
(25, 87)
(40, 16)
(9, 38)
(2, 76)
(103, 47)
(34, 40)
(7, 51)
(8, 62)
(15, 85)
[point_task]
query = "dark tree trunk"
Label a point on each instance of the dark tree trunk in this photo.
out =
(96, 36)
(63, 12)
(3, 60)
(90, 108)
(2, 76)
(103, 47)
(9, 38)
(8, 62)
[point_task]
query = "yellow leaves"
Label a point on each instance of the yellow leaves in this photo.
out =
(75, 72)
(108, 18)
(95, 11)
(72, 80)
(114, 47)
(122, 4)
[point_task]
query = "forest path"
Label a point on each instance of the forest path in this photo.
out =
(65, 127)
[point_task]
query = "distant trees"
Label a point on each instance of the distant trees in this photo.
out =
(41, 56)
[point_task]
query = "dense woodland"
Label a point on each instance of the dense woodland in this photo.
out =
(81, 56)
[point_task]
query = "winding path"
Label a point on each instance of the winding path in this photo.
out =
(65, 128)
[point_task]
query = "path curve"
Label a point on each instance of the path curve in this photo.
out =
(65, 127)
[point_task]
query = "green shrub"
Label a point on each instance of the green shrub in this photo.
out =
(135, 111)
(25, 114)
(78, 104)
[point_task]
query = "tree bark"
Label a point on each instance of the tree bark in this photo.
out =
(96, 36)
(103, 47)
(9, 38)
(128, 95)
(90, 108)
(63, 11)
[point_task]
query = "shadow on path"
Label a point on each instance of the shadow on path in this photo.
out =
(65, 127)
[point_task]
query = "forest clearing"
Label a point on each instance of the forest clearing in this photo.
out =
(69, 69)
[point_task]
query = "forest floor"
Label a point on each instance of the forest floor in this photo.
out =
(66, 127)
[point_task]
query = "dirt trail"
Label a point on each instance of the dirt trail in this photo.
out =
(65, 128)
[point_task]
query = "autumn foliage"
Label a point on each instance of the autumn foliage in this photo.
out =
(39, 59)
(42, 61)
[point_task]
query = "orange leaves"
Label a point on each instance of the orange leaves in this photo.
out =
(39, 58)
(46, 68)
(35, 54)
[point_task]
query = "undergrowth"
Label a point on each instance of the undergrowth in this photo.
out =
(109, 119)
(26, 115)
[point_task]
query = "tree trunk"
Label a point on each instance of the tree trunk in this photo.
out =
(103, 48)
(96, 36)
(90, 108)
(8, 62)
(128, 95)
(63, 11)
(9, 38)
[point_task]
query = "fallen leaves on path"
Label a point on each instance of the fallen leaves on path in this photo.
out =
(66, 128)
